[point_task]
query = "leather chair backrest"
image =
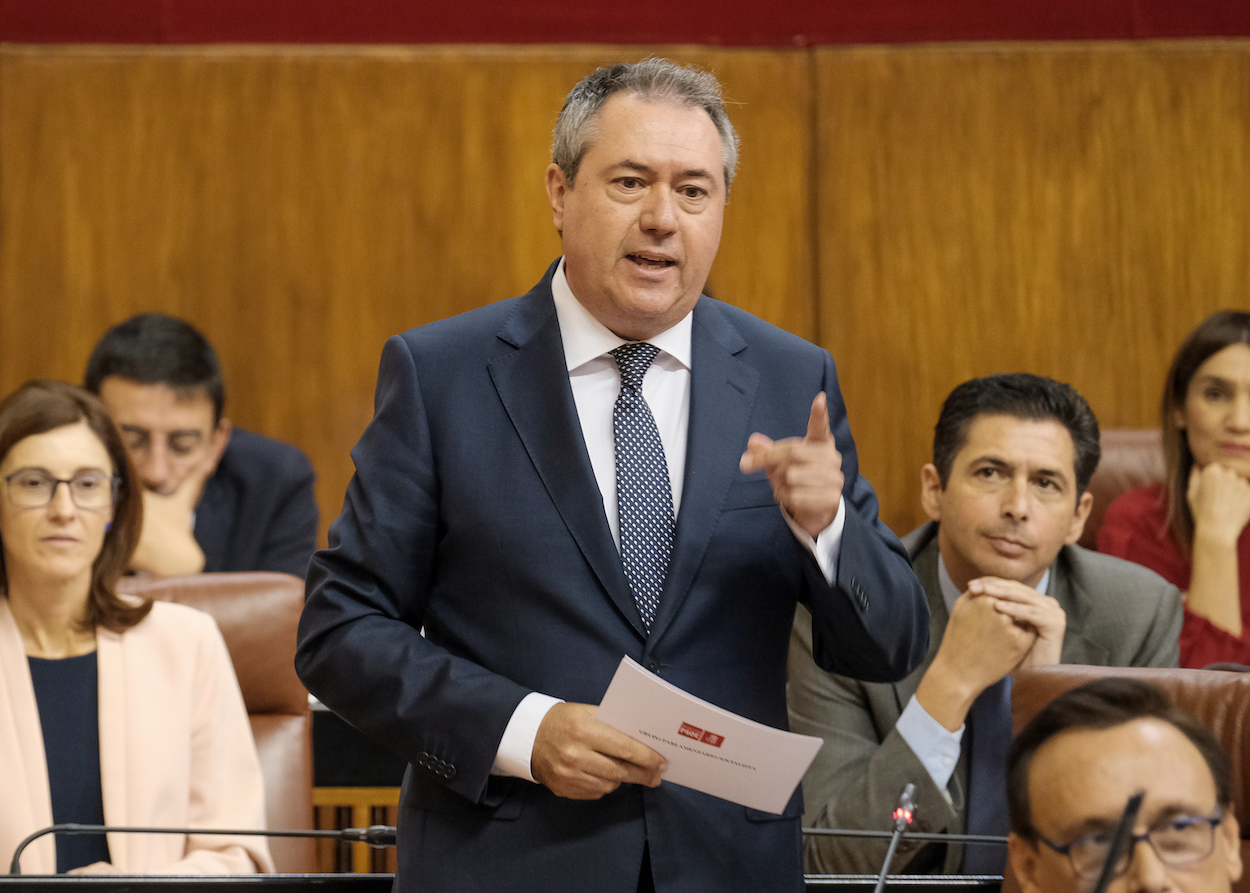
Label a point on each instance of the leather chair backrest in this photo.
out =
(1219, 700)
(258, 613)
(1131, 458)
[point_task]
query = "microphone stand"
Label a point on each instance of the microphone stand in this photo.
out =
(927, 836)
(1123, 832)
(375, 835)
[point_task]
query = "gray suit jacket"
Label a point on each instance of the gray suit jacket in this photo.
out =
(1118, 614)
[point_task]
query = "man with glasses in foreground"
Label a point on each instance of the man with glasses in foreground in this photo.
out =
(1072, 770)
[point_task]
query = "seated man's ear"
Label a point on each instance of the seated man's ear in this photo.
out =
(220, 440)
(931, 492)
(1022, 856)
(1083, 506)
(1232, 839)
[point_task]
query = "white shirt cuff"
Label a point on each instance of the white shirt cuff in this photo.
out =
(516, 747)
(936, 747)
(826, 547)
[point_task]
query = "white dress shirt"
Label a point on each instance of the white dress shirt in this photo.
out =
(936, 746)
(596, 382)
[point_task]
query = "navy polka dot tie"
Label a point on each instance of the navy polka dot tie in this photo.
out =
(644, 496)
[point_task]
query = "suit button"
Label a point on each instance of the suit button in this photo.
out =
(652, 665)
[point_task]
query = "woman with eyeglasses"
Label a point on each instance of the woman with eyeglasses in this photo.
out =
(1194, 529)
(113, 710)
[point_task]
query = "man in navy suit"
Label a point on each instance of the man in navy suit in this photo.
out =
(489, 569)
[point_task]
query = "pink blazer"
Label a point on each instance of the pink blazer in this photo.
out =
(175, 750)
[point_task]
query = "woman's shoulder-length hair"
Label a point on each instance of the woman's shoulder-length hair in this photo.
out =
(43, 405)
(1209, 337)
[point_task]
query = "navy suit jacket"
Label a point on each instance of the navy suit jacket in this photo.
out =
(474, 515)
(258, 511)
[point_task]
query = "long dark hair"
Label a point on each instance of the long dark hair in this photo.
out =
(1212, 335)
(41, 406)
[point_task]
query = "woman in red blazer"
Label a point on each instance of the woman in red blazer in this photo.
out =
(1193, 528)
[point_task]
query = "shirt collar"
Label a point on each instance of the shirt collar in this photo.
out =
(586, 339)
(950, 592)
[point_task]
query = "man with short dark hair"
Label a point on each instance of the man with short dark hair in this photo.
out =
(1007, 587)
(587, 472)
(1070, 775)
(216, 498)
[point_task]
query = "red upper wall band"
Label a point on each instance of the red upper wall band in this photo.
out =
(744, 23)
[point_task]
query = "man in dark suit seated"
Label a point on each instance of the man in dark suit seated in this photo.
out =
(1070, 775)
(1007, 587)
(609, 465)
(216, 498)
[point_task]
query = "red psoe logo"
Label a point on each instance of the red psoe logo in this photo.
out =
(698, 734)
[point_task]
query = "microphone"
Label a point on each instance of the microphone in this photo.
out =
(904, 813)
(375, 835)
(906, 809)
(1123, 832)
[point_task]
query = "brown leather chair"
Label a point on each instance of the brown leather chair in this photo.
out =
(1131, 458)
(258, 614)
(1219, 700)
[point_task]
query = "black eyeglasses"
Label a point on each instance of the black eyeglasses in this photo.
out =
(34, 488)
(1181, 841)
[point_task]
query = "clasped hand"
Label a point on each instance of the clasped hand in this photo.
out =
(995, 627)
(1039, 617)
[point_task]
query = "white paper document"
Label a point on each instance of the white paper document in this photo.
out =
(707, 748)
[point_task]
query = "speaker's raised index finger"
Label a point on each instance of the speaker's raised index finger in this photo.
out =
(818, 421)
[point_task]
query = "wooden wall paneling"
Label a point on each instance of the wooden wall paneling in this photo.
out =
(1066, 209)
(300, 205)
(766, 262)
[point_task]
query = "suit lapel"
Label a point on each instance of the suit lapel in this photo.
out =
(26, 796)
(722, 394)
(1076, 604)
(533, 384)
(113, 748)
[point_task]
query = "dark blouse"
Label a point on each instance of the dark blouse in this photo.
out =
(67, 693)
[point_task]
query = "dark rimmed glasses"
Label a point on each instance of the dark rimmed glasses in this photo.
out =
(1178, 842)
(32, 488)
